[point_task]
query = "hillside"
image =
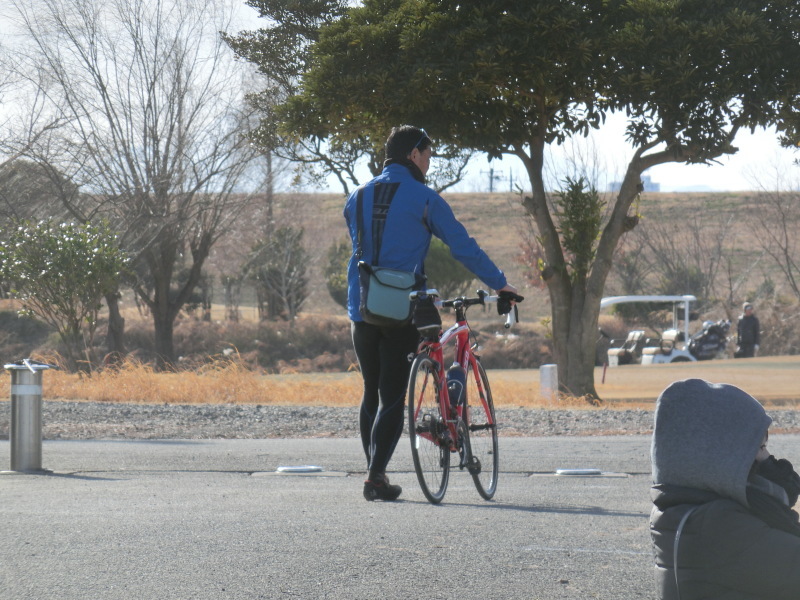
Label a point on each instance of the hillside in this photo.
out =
(497, 221)
(499, 224)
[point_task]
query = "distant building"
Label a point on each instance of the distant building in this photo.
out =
(649, 185)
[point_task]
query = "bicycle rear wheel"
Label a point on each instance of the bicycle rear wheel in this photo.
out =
(485, 463)
(427, 430)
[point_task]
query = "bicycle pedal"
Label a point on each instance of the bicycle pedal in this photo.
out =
(474, 467)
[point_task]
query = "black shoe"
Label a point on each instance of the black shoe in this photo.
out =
(379, 488)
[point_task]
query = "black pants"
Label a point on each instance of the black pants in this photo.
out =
(383, 355)
(745, 351)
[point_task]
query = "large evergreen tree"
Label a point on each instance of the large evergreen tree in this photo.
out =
(513, 77)
(282, 50)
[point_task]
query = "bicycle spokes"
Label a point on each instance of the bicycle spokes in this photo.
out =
(482, 428)
(427, 429)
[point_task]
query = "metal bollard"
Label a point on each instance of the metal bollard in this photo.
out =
(26, 414)
(548, 382)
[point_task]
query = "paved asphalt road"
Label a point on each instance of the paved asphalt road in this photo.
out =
(213, 520)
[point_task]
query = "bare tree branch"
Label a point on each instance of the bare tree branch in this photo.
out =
(155, 129)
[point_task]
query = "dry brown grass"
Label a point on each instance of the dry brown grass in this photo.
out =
(772, 380)
(220, 383)
(229, 383)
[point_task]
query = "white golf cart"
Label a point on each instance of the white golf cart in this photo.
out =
(674, 343)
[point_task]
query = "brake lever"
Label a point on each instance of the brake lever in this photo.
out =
(512, 318)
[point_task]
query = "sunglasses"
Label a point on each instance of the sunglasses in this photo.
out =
(424, 136)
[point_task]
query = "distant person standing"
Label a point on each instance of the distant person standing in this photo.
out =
(748, 333)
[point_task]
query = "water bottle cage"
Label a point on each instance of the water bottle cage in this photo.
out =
(456, 380)
(455, 391)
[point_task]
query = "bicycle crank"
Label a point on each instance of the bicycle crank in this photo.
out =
(474, 466)
(464, 449)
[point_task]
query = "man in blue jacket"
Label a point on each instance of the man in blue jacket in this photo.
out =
(401, 214)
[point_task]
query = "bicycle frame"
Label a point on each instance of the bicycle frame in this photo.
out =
(439, 425)
(459, 333)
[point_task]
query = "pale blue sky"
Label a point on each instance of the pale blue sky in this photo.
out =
(760, 163)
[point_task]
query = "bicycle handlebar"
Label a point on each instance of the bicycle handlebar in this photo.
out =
(503, 300)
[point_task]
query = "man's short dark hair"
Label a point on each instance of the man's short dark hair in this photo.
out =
(402, 140)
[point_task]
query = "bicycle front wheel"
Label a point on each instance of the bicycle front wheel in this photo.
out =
(427, 429)
(484, 465)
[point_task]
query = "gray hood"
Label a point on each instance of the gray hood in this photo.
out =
(706, 436)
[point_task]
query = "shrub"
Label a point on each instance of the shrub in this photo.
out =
(445, 273)
(317, 344)
(336, 271)
(21, 335)
(520, 348)
(279, 267)
(60, 272)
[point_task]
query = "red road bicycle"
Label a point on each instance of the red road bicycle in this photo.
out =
(450, 411)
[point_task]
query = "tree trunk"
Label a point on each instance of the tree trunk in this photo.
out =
(160, 260)
(581, 342)
(575, 305)
(115, 338)
(72, 343)
(165, 306)
(574, 323)
(164, 346)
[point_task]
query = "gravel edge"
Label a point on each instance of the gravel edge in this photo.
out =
(100, 420)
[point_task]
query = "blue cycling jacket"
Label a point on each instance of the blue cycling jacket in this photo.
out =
(407, 214)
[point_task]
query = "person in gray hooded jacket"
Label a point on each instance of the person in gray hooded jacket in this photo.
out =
(722, 525)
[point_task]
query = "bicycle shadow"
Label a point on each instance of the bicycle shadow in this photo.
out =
(597, 511)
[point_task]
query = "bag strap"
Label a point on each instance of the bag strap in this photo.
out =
(376, 239)
(675, 549)
(359, 221)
